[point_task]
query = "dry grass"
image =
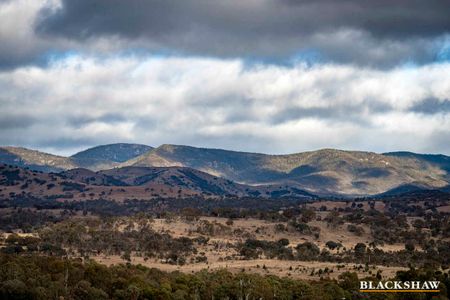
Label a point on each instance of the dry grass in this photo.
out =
(331, 205)
(220, 255)
(282, 268)
(264, 230)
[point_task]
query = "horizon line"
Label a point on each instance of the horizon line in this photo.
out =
(221, 149)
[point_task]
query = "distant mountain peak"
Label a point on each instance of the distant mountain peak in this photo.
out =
(119, 152)
(322, 172)
(33, 159)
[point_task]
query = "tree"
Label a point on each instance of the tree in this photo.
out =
(409, 246)
(283, 242)
(84, 291)
(308, 215)
(307, 250)
(333, 245)
(14, 289)
(360, 249)
(349, 281)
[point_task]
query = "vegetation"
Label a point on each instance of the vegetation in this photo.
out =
(49, 244)
(38, 277)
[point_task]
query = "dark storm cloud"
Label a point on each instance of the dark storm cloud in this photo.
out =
(158, 18)
(16, 121)
(432, 106)
(9, 59)
(384, 18)
(258, 27)
(351, 113)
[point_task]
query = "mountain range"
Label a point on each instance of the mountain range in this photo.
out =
(96, 158)
(321, 172)
(128, 183)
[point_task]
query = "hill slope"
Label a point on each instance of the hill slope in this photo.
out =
(35, 160)
(119, 152)
(127, 183)
(324, 171)
(108, 156)
(439, 160)
(97, 158)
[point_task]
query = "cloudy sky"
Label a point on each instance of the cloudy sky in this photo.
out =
(274, 76)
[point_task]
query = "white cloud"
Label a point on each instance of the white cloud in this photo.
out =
(80, 100)
(18, 42)
(32, 31)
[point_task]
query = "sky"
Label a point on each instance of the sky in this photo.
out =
(271, 76)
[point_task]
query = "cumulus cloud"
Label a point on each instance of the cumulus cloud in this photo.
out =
(18, 43)
(379, 32)
(432, 106)
(370, 33)
(257, 75)
(82, 101)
